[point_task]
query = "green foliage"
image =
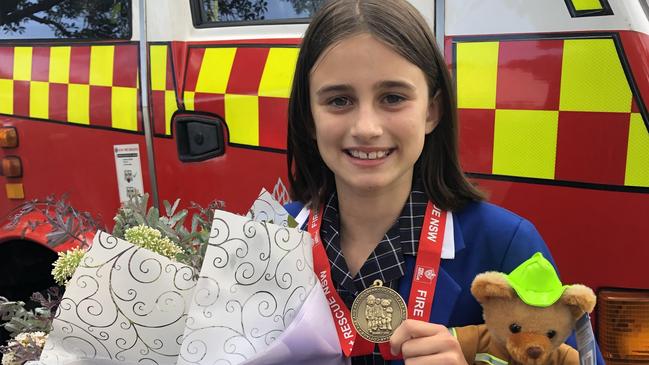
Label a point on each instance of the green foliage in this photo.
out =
(66, 222)
(306, 7)
(82, 19)
(131, 214)
(28, 328)
(195, 240)
(171, 224)
(237, 10)
(240, 9)
(19, 319)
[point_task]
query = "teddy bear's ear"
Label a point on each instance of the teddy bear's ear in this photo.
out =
(490, 285)
(580, 298)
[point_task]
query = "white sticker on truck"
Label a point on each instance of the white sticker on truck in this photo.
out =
(129, 170)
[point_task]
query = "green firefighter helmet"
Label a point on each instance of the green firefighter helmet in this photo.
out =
(536, 282)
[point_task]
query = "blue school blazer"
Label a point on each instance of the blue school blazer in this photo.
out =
(487, 238)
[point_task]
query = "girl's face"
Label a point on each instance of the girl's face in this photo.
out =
(372, 110)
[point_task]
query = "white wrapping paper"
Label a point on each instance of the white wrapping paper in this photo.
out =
(123, 303)
(257, 301)
(310, 339)
(266, 209)
(254, 279)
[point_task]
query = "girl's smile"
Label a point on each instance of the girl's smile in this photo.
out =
(369, 154)
(368, 157)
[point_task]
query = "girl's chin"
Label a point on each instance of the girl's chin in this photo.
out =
(370, 183)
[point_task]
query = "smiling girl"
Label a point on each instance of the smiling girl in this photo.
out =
(372, 147)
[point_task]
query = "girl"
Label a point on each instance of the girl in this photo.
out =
(372, 140)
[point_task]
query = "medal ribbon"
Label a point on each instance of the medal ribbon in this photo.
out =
(420, 300)
(424, 279)
(342, 317)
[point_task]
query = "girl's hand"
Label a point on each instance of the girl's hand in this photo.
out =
(423, 343)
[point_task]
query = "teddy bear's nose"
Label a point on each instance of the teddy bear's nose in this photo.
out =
(534, 352)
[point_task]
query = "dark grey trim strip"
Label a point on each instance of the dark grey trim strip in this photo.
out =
(570, 184)
(440, 23)
(144, 99)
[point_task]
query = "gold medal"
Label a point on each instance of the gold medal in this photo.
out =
(377, 311)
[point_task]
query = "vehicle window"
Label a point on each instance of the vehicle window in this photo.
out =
(65, 19)
(222, 12)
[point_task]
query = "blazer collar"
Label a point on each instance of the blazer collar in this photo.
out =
(448, 246)
(458, 238)
(453, 239)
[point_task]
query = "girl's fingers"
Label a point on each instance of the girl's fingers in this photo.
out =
(437, 359)
(423, 346)
(411, 328)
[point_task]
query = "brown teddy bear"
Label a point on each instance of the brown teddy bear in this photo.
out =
(528, 315)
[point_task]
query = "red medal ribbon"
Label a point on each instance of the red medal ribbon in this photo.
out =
(420, 301)
(424, 280)
(339, 311)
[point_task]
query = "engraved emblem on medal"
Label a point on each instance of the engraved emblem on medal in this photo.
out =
(377, 311)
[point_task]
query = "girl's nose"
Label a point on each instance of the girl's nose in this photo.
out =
(367, 124)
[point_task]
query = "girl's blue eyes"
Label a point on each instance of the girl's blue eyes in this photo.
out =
(340, 102)
(390, 99)
(393, 99)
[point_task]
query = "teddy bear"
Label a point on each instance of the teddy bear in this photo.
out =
(528, 315)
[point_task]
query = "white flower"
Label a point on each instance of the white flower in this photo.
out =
(38, 338)
(66, 264)
(33, 342)
(151, 239)
(9, 359)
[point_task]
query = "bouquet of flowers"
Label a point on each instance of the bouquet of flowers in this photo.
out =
(242, 291)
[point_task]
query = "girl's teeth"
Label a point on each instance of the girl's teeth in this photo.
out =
(369, 156)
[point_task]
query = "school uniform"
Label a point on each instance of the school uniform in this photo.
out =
(480, 237)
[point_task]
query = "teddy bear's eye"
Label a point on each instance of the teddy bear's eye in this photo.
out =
(515, 328)
(551, 334)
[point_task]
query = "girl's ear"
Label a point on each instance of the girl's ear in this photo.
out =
(434, 112)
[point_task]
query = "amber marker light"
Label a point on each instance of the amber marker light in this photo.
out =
(8, 137)
(623, 326)
(12, 166)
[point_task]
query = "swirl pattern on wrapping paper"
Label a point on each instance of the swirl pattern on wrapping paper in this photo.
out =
(122, 303)
(254, 279)
(197, 346)
(228, 249)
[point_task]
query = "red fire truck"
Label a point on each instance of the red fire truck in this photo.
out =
(102, 99)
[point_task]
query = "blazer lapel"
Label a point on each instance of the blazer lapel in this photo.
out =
(446, 292)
